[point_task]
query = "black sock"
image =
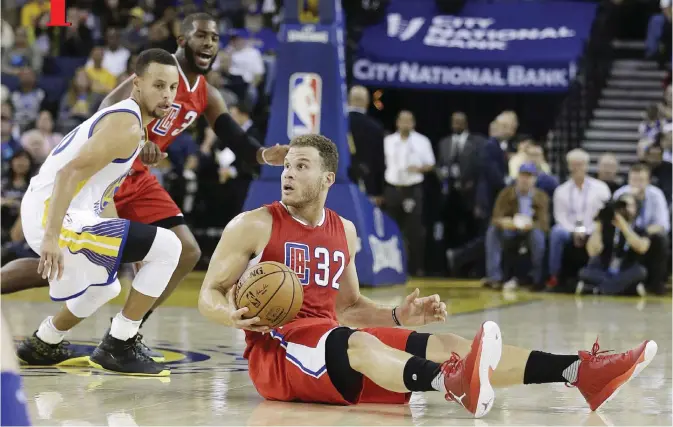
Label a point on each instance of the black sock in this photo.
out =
(145, 317)
(547, 368)
(419, 373)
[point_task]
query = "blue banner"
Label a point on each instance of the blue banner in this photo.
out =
(506, 47)
(310, 97)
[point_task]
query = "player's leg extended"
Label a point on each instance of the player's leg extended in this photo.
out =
(465, 381)
(21, 274)
(159, 249)
(597, 376)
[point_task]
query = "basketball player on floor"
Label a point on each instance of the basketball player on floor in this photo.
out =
(141, 198)
(80, 252)
(316, 359)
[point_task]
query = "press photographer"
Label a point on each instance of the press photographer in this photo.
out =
(615, 248)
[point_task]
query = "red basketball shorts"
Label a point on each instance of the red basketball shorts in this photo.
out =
(289, 364)
(142, 199)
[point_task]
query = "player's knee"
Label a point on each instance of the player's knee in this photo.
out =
(191, 253)
(167, 248)
(92, 299)
(360, 346)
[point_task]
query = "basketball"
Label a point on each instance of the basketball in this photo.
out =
(271, 291)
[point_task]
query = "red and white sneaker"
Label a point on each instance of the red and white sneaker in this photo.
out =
(600, 376)
(468, 380)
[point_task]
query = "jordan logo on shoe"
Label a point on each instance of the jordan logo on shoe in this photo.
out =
(487, 403)
(457, 398)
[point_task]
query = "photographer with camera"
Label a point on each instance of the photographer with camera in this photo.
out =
(653, 216)
(616, 247)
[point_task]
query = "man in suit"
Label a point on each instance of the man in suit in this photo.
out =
(366, 145)
(458, 171)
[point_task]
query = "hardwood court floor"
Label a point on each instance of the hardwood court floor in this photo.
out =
(209, 384)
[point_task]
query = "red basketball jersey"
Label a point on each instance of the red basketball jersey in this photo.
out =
(319, 255)
(189, 104)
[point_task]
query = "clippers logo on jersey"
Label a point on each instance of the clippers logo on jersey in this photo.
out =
(164, 125)
(305, 104)
(297, 258)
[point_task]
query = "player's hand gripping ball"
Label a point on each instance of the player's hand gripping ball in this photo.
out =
(271, 291)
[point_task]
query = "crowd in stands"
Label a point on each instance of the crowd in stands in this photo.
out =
(503, 214)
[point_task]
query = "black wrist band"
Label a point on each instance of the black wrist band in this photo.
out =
(397, 322)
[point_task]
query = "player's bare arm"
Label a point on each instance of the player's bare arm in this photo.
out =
(118, 94)
(242, 239)
(231, 134)
(355, 309)
(94, 156)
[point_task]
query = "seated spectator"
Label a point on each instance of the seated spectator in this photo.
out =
(608, 165)
(217, 80)
(521, 213)
(136, 36)
(14, 186)
(22, 54)
(115, 56)
(520, 157)
(544, 181)
(654, 217)
(6, 35)
(661, 171)
(31, 13)
(246, 62)
(78, 39)
(615, 248)
(28, 100)
(10, 146)
(45, 127)
(79, 102)
(164, 32)
(113, 15)
(576, 203)
(102, 80)
(649, 128)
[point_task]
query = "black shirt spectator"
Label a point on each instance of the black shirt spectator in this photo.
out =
(661, 171)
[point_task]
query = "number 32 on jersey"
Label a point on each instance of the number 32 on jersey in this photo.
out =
(298, 255)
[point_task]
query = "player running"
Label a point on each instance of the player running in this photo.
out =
(317, 357)
(80, 252)
(141, 198)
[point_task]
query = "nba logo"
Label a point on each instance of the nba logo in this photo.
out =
(305, 103)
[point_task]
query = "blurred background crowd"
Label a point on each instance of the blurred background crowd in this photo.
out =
(506, 191)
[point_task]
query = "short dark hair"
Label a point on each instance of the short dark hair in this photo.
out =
(188, 22)
(150, 56)
(326, 148)
(640, 167)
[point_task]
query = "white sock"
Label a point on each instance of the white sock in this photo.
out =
(570, 373)
(48, 333)
(123, 328)
(438, 383)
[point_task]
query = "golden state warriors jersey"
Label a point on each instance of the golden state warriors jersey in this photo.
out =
(95, 193)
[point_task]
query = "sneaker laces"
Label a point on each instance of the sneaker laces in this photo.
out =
(137, 347)
(595, 354)
(449, 367)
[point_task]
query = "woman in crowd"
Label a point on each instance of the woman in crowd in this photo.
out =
(79, 103)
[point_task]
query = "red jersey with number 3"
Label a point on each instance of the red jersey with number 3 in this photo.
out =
(189, 104)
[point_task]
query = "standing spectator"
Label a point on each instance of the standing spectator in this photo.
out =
(661, 171)
(608, 165)
(115, 56)
(654, 217)
(102, 80)
(650, 127)
(246, 61)
(367, 155)
(45, 127)
(544, 181)
(616, 268)
(31, 12)
(521, 213)
(494, 163)
(79, 103)
(28, 100)
(135, 36)
(576, 203)
(10, 146)
(458, 170)
(655, 29)
(22, 54)
(78, 38)
(408, 156)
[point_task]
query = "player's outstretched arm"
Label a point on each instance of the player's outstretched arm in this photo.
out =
(354, 309)
(243, 238)
(231, 135)
(118, 94)
(94, 155)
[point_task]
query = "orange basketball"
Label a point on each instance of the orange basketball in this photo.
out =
(271, 291)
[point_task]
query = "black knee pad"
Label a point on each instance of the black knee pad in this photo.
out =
(345, 379)
(139, 241)
(417, 344)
